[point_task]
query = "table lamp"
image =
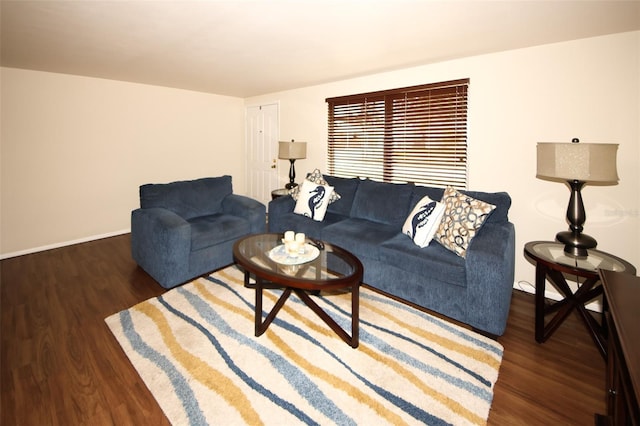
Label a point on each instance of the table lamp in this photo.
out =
(577, 164)
(292, 151)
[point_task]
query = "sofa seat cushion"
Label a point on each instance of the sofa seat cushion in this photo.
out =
(294, 222)
(207, 231)
(360, 236)
(433, 260)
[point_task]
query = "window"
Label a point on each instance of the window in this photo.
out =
(414, 134)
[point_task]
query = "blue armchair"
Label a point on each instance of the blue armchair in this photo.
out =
(185, 229)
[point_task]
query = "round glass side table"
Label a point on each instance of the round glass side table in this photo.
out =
(552, 263)
(281, 192)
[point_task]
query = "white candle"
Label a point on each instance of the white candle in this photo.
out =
(300, 237)
(292, 248)
(289, 236)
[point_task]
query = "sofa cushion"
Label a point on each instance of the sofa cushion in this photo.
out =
(313, 200)
(346, 187)
(211, 230)
(386, 203)
(420, 192)
(434, 260)
(501, 200)
(360, 236)
(294, 222)
(315, 177)
(188, 199)
(423, 221)
(463, 217)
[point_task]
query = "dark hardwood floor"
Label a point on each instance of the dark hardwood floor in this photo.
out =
(60, 365)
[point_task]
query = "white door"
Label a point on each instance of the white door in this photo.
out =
(262, 134)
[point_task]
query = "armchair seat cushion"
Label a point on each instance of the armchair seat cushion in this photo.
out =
(211, 230)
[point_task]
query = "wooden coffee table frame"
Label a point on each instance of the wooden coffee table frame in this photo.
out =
(270, 278)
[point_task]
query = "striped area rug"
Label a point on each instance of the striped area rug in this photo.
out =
(195, 349)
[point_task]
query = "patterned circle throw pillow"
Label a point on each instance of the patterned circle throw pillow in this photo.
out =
(463, 217)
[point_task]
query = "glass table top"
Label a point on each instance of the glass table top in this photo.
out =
(328, 262)
(554, 252)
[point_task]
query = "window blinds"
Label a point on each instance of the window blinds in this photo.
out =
(415, 134)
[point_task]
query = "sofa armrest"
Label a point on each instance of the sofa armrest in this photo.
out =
(279, 209)
(281, 205)
(248, 208)
(160, 244)
(490, 270)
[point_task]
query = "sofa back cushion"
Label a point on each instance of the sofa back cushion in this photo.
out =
(386, 203)
(188, 199)
(501, 200)
(346, 187)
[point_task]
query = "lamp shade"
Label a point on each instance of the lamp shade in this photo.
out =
(587, 162)
(292, 150)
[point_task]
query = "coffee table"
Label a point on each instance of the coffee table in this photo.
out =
(332, 269)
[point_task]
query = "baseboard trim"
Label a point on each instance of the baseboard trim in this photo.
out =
(63, 244)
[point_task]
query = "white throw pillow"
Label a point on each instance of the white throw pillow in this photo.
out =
(423, 221)
(313, 200)
(315, 177)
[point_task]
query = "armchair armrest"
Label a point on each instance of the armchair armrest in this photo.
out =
(248, 208)
(490, 268)
(160, 244)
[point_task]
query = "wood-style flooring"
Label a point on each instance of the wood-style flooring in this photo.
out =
(60, 365)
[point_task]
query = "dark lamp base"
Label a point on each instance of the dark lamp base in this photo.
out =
(575, 243)
(291, 185)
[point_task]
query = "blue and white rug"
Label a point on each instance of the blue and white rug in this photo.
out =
(195, 349)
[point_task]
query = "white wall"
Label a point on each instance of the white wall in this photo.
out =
(587, 88)
(75, 149)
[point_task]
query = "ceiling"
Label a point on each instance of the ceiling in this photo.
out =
(244, 48)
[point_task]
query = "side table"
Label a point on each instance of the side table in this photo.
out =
(281, 192)
(552, 262)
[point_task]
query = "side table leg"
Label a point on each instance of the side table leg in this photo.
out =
(541, 276)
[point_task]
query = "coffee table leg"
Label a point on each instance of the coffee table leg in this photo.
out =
(260, 326)
(258, 308)
(352, 340)
(355, 315)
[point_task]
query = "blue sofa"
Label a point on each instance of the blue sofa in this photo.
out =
(367, 220)
(186, 229)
